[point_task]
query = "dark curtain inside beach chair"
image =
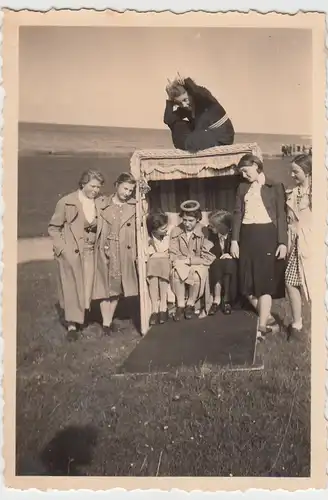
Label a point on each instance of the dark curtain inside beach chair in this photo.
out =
(211, 192)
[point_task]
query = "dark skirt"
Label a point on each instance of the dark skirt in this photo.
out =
(220, 268)
(260, 272)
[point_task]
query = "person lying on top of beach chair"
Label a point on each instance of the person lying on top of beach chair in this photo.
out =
(195, 117)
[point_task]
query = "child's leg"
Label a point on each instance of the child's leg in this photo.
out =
(179, 289)
(217, 293)
(153, 283)
(163, 288)
(226, 287)
(107, 308)
(295, 299)
(194, 291)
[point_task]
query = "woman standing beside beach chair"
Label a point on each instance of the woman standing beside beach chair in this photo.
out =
(299, 211)
(259, 239)
(75, 229)
(118, 248)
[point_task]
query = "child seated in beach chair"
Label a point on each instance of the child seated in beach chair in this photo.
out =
(223, 271)
(158, 266)
(190, 255)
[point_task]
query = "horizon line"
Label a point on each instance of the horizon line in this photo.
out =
(22, 122)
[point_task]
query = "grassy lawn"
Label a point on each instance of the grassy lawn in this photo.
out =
(199, 422)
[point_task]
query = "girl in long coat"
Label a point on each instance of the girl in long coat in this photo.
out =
(195, 117)
(299, 216)
(75, 229)
(118, 248)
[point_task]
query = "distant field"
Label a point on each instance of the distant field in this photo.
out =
(42, 180)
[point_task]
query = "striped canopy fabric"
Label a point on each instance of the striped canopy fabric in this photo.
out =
(157, 165)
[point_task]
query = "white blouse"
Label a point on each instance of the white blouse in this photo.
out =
(255, 211)
(88, 206)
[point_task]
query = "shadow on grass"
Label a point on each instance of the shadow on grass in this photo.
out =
(68, 451)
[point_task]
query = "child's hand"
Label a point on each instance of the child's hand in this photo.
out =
(226, 256)
(234, 249)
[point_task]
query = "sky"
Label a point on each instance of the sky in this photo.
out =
(116, 76)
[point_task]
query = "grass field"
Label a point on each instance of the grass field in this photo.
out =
(199, 422)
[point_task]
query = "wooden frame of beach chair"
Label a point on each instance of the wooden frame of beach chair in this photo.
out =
(154, 169)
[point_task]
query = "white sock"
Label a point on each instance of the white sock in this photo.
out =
(298, 325)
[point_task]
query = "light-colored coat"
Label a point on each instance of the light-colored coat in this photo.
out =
(300, 224)
(197, 249)
(66, 229)
(128, 246)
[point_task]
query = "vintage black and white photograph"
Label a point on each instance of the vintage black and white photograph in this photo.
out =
(165, 251)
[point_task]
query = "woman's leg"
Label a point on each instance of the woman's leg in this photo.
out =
(107, 308)
(163, 289)
(264, 309)
(154, 293)
(255, 303)
(295, 299)
(179, 289)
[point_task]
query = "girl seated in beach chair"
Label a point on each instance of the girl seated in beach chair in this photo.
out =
(189, 252)
(223, 271)
(158, 266)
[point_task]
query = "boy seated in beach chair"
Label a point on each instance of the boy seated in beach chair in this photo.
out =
(223, 270)
(189, 252)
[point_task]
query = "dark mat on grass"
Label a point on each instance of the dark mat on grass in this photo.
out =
(224, 341)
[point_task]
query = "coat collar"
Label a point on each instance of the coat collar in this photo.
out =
(198, 231)
(73, 199)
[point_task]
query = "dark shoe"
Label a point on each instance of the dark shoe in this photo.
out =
(153, 320)
(72, 335)
(214, 309)
(294, 333)
(262, 333)
(226, 308)
(163, 317)
(178, 315)
(110, 330)
(189, 312)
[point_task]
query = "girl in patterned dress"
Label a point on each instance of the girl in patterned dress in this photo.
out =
(299, 216)
(158, 266)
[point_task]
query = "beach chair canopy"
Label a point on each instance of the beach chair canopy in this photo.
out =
(169, 164)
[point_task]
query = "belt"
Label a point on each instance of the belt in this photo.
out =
(219, 122)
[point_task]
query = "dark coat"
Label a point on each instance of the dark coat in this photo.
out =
(190, 132)
(216, 249)
(274, 200)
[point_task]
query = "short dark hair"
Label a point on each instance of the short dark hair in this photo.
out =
(248, 160)
(218, 217)
(304, 161)
(90, 175)
(156, 220)
(125, 177)
(192, 213)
